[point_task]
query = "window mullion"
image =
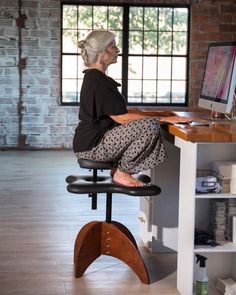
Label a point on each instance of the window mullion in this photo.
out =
(77, 65)
(172, 54)
(142, 96)
(125, 51)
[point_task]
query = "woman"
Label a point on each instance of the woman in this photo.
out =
(107, 130)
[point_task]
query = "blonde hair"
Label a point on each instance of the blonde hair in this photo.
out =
(94, 44)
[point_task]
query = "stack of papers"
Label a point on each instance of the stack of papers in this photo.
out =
(218, 219)
(231, 211)
(224, 168)
(226, 286)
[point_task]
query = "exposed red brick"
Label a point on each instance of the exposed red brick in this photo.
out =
(228, 28)
(229, 7)
(209, 28)
(225, 19)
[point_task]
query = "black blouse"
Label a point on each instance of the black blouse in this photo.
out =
(99, 98)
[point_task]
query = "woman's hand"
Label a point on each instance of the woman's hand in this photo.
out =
(175, 120)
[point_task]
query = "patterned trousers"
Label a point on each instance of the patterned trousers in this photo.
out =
(134, 147)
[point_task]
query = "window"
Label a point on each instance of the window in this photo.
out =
(153, 62)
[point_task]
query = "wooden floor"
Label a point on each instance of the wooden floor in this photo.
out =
(39, 221)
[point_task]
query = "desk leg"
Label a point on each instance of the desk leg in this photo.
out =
(160, 213)
(188, 168)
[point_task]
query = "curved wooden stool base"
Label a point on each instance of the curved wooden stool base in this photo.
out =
(113, 239)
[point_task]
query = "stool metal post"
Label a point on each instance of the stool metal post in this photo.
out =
(95, 175)
(94, 195)
(108, 207)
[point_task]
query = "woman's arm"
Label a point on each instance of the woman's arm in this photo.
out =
(126, 118)
(136, 115)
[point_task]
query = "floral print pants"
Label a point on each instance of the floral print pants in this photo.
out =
(134, 147)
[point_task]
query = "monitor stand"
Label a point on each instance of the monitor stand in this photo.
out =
(217, 117)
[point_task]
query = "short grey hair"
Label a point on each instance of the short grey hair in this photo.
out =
(96, 42)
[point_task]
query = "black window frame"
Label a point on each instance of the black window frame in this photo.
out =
(125, 50)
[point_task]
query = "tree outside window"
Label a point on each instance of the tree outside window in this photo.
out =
(152, 68)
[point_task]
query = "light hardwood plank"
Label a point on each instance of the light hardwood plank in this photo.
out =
(39, 221)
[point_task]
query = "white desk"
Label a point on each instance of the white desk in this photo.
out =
(172, 217)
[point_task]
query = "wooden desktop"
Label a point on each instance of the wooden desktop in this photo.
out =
(218, 130)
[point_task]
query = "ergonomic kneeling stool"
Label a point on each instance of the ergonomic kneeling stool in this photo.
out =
(107, 237)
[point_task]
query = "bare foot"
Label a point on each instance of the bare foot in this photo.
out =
(125, 179)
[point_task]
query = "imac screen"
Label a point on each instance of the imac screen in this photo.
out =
(218, 72)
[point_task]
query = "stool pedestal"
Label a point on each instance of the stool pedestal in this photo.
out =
(113, 239)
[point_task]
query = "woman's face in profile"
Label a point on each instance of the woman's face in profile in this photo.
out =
(111, 53)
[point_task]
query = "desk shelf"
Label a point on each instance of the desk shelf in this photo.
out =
(225, 246)
(216, 196)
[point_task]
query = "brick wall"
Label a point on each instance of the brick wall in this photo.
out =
(31, 117)
(212, 21)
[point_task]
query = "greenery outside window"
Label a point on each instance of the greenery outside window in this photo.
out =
(153, 42)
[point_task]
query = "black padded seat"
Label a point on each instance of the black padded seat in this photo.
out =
(91, 164)
(83, 184)
(86, 185)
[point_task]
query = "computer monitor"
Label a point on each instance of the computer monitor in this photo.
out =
(219, 78)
